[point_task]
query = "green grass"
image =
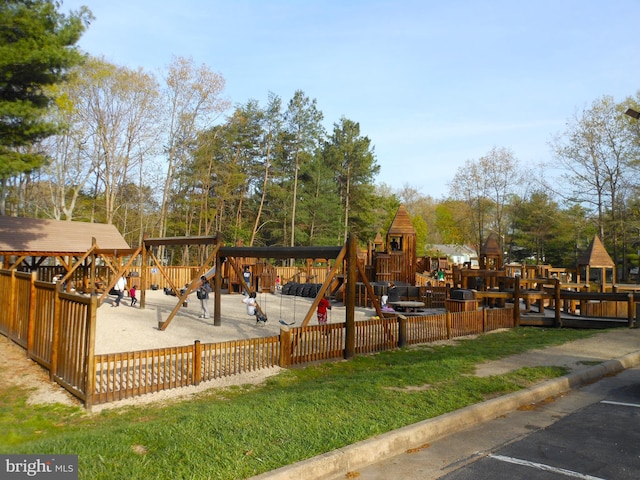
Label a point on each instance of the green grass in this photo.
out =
(241, 431)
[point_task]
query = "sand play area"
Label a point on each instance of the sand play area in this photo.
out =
(126, 328)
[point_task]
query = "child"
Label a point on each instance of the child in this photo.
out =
(132, 294)
(322, 311)
(252, 308)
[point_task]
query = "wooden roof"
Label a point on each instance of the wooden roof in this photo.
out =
(39, 237)
(401, 224)
(596, 255)
(491, 246)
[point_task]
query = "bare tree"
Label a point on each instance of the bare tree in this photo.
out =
(485, 187)
(192, 98)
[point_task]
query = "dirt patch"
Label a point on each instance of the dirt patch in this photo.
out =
(16, 370)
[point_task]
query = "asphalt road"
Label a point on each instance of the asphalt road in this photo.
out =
(589, 433)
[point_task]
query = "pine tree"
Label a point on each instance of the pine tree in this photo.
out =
(36, 51)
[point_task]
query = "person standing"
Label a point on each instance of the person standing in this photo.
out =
(203, 295)
(393, 295)
(132, 294)
(120, 287)
(246, 275)
(323, 306)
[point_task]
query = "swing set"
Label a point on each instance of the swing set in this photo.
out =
(346, 254)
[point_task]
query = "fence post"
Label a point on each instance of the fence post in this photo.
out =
(516, 302)
(448, 315)
(630, 312)
(402, 331)
(90, 384)
(285, 347)
(484, 319)
(31, 317)
(197, 363)
(557, 318)
(55, 334)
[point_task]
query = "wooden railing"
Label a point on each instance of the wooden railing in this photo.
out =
(58, 331)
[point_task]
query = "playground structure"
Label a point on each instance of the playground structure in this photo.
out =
(57, 328)
(90, 258)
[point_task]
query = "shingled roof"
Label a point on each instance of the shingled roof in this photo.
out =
(596, 255)
(401, 223)
(40, 237)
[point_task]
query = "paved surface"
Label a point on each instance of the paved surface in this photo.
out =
(506, 427)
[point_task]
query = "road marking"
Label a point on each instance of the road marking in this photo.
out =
(547, 468)
(636, 405)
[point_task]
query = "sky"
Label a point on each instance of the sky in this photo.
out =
(433, 84)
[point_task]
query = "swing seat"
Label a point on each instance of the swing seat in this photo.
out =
(261, 318)
(285, 323)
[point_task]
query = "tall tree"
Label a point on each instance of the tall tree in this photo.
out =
(303, 122)
(352, 157)
(272, 126)
(595, 151)
(37, 47)
(118, 109)
(193, 102)
(485, 186)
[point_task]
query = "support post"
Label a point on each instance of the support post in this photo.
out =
(402, 331)
(350, 297)
(557, 306)
(516, 302)
(285, 347)
(217, 284)
(197, 363)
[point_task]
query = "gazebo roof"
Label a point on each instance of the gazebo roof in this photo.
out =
(596, 255)
(40, 237)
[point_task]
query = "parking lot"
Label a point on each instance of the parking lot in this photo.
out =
(590, 433)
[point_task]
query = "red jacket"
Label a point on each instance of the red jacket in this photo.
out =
(323, 305)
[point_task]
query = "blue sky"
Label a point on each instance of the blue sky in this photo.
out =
(432, 83)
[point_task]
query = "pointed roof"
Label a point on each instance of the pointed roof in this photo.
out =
(596, 255)
(401, 224)
(491, 246)
(378, 240)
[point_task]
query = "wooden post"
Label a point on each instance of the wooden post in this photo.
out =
(90, 381)
(217, 284)
(145, 277)
(516, 302)
(402, 331)
(55, 334)
(484, 319)
(31, 317)
(285, 348)
(630, 312)
(197, 363)
(557, 307)
(448, 315)
(350, 297)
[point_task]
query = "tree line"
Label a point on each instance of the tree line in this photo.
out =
(168, 155)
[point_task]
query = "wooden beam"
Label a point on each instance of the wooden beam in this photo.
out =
(325, 286)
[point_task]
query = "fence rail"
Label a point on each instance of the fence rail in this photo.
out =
(57, 330)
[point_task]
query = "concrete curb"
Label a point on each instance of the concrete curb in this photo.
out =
(356, 456)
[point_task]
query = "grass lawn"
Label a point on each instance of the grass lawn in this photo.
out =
(239, 432)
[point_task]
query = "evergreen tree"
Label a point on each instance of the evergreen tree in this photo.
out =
(36, 51)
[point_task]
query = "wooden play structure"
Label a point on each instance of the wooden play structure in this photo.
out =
(394, 258)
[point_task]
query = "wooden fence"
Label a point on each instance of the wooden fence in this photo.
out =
(57, 330)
